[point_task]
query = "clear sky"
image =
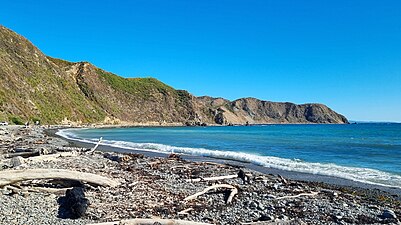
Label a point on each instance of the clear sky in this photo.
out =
(346, 54)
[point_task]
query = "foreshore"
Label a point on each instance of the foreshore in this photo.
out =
(155, 185)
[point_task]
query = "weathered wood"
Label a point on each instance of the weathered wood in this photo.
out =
(212, 178)
(94, 148)
(234, 191)
(151, 222)
(14, 176)
(185, 211)
(47, 190)
(22, 154)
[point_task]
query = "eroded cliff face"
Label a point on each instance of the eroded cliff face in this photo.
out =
(34, 86)
(255, 111)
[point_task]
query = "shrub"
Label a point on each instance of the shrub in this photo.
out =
(17, 121)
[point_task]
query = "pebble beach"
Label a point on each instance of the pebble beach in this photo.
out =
(159, 186)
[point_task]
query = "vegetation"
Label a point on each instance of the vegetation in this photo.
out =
(142, 87)
(35, 119)
(16, 120)
(60, 62)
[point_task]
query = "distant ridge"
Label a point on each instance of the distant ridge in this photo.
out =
(34, 86)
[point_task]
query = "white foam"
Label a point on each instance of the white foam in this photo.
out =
(365, 175)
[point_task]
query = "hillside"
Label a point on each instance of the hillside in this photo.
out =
(34, 86)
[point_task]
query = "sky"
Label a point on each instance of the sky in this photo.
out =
(345, 54)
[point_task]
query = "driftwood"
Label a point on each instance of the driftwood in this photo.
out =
(22, 154)
(46, 189)
(151, 222)
(94, 148)
(14, 176)
(297, 196)
(37, 189)
(185, 211)
(18, 160)
(212, 178)
(234, 191)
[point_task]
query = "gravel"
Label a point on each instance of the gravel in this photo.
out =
(156, 187)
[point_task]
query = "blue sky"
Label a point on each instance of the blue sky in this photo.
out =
(346, 54)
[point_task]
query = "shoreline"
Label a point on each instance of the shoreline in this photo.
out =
(293, 175)
(157, 185)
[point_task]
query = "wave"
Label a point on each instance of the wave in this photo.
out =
(364, 175)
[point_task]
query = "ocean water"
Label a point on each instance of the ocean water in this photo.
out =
(369, 153)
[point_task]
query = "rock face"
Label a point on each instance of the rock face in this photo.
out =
(255, 111)
(34, 87)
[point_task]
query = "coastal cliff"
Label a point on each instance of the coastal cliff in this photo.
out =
(34, 86)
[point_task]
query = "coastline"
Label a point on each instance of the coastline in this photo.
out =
(293, 175)
(155, 185)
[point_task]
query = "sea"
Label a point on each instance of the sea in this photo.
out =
(363, 152)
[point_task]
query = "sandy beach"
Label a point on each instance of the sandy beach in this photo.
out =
(152, 185)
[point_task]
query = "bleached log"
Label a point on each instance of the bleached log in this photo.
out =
(151, 222)
(297, 196)
(22, 154)
(234, 191)
(94, 148)
(14, 176)
(47, 190)
(185, 211)
(212, 178)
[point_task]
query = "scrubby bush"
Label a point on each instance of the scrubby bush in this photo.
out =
(17, 121)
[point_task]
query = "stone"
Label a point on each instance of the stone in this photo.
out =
(17, 161)
(388, 214)
(253, 205)
(266, 217)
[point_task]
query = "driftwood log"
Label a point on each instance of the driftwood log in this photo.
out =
(212, 178)
(13, 176)
(151, 222)
(22, 154)
(233, 189)
(94, 148)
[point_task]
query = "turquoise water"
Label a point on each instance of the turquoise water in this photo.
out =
(368, 153)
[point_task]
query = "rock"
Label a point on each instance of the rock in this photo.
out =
(331, 193)
(388, 214)
(17, 161)
(283, 217)
(253, 205)
(74, 204)
(283, 180)
(261, 207)
(270, 196)
(373, 207)
(266, 218)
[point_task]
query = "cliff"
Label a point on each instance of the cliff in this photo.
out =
(34, 87)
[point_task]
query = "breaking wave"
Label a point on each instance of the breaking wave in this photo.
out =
(364, 175)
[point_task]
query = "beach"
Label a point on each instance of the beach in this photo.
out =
(155, 185)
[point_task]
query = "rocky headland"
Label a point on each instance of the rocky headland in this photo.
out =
(35, 87)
